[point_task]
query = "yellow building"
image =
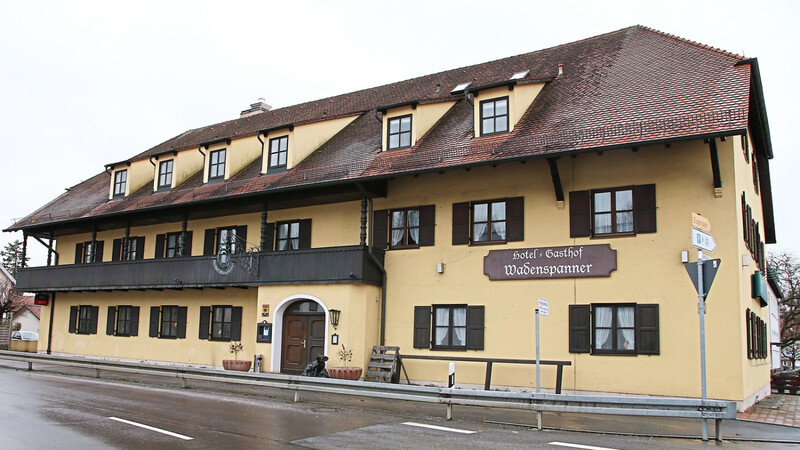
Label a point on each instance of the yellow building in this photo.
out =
(433, 214)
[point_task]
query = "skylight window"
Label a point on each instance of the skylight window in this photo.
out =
(520, 75)
(460, 87)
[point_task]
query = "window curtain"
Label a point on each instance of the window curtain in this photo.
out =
(480, 214)
(603, 317)
(625, 318)
(397, 227)
(283, 235)
(602, 204)
(413, 225)
(442, 319)
(499, 221)
(460, 327)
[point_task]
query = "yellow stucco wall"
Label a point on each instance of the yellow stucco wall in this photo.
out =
(422, 119)
(190, 350)
(648, 271)
(519, 100)
(754, 372)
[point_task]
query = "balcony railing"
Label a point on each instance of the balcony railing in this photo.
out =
(350, 264)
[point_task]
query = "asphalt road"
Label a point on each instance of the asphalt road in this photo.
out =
(42, 410)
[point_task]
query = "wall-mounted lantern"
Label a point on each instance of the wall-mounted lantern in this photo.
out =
(335, 317)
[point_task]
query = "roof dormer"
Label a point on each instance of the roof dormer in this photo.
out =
(405, 123)
(127, 177)
(499, 106)
(284, 146)
(171, 168)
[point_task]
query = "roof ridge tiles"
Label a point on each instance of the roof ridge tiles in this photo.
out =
(694, 43)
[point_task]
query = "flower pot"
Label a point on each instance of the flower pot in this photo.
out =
(233, 364)
(345, 373)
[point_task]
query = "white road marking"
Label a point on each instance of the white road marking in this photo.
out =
(148, 427)
(585, 447)
(434, 427)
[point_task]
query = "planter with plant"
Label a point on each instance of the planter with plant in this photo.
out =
(235, 364)
(345, 373)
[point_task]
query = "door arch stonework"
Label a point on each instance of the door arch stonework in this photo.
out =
(277, 332)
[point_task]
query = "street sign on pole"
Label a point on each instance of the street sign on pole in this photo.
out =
(709, 272)
(703, 240)
(544, 305)
(701, 223)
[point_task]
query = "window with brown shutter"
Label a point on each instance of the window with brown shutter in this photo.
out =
(449, 327)
(614, 329)
(489, 221)
(617, 211)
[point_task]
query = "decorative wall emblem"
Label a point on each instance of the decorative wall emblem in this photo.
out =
(574, 261)
(226, 259)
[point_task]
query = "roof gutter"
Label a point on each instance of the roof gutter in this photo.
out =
(757, 92)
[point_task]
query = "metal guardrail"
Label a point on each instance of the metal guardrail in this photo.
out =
(630, 406)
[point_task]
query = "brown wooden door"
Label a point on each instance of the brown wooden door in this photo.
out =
(303, 340)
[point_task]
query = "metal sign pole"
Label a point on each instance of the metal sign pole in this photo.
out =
(538, 413)
(701, 310)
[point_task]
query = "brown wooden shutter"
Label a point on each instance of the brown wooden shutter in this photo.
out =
(461, 223)
(744, 218)
(580, 214)
(116, 250)
(647, 342)
(135, 321)
(208, 243)
(241, 238)
(305, 234)
(98, 252)
(111, 320)
(269, 237)
(73, 319)
(78, 253)
(182, 322)
(515, 219)
(475, 327)
(205, 318)
(187, 244)
(140, 247)
(580, 328)
(644, 208)
(422, 327)
(427, 225)
(236, 323)
(155, 320)
(380, 228)
(95, 311)
(160, 244)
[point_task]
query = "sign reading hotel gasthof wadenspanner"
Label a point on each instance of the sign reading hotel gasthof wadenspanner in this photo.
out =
(574, 261)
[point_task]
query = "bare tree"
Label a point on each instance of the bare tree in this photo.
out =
(7, 293)
(787, 268)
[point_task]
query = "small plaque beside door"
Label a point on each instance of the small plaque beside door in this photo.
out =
(264, 332)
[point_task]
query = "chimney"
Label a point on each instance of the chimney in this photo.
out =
(258, 107)
(560, 69)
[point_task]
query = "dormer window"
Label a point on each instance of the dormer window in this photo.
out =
(120, 179)
(494, 116)
(165, 174)
(216, 165)
(278, 151)
(399, 135)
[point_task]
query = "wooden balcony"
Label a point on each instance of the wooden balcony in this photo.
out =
(350, 264)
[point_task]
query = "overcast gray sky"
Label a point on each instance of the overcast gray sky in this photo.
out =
(85, 83)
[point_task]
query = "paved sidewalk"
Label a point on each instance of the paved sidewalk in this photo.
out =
(779, 409)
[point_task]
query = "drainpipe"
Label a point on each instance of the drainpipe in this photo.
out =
(375, 112)
(258, 136)
(468, 98)
(380, 267)
(50, 326)
(151, 162)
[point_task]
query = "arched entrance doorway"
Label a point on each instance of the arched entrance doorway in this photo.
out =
(303, 333)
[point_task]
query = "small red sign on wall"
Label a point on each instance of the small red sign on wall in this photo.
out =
(41, 299)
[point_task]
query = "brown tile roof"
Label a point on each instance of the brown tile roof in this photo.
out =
(25, 301)
(624, 88)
